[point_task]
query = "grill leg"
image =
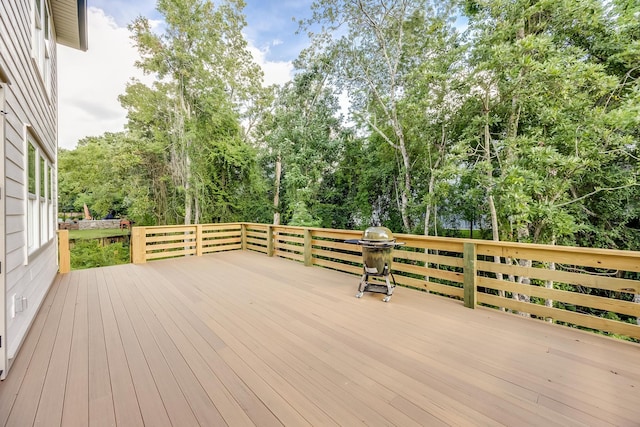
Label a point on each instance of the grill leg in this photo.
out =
(387, 298)
(362, 286)
(390, 287)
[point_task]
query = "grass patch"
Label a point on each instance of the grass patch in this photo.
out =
(96, 234)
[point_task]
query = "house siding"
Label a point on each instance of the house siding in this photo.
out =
(28, 106)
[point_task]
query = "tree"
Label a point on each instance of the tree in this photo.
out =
(205, 76)
(96, 174)
(543, 119)
(302, 137)
(366, 41)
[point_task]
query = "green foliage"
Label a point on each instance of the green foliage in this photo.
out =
(97, 233)
(302, 218)
(91, 254)
(530, 119)
(188, 123)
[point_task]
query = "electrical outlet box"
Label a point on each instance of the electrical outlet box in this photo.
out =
(18, 305)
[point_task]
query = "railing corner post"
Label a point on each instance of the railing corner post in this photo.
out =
(308, 256)
(64, 263)
(199, 240)
(138, 245)
(243, 234)
(470, 275)
(269, 240)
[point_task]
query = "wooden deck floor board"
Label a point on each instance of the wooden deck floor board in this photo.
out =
(531, 408)
(263, 378)
(28, 397)
(53, 391)
(300, 306)
(239, 338)
(100, 398)
(10, 387)
(304, 306)
(170, 394)
(275, 344)
(183, 335)
(258, 410)
(125, 401)
(203, 407)
(76, 405)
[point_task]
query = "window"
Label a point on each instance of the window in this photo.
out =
(32, 200)
(40, 227)
(41, 44)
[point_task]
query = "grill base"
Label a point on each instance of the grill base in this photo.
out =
(379, 288)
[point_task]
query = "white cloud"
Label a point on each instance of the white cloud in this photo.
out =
(277, 42)
(90, 82)
(275, 72)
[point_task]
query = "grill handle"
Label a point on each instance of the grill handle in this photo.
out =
(353, 241)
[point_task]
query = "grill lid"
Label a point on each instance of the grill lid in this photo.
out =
(378, 234)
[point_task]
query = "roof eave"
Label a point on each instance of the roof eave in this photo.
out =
(70, 23)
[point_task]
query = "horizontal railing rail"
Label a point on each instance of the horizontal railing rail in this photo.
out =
(580, 287)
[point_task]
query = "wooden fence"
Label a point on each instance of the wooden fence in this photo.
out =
(586, 287)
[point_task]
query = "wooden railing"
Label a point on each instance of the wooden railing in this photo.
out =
(586, 287)
(149, 243)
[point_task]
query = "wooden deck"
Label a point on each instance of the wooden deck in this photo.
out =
(238, 338)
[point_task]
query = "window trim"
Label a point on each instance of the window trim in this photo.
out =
(39, 208)
(41, 42)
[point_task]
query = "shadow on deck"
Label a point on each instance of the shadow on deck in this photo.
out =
(238, 338)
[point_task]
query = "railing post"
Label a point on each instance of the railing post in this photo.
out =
(243, 234)
(138, 245)
(269, 240)
(64, 263)
(470, 275)
(308, 256)
(199, 240)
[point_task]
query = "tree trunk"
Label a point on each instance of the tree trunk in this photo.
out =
(524, 281)
(549, 285)
(196, 215)
(492, 206)
(276, 193)
(188, 206)
(406, 191)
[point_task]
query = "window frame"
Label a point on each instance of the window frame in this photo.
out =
(39, 212)
(41, 42)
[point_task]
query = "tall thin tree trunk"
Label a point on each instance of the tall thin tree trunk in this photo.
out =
(276, 193)
(188, 201)
(196, 216)
(549, 285)
(524, 280)
(492, 205)
(406, 191)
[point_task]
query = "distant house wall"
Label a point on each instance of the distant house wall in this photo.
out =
(30, 255)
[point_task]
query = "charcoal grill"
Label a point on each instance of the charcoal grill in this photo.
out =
(377, 258)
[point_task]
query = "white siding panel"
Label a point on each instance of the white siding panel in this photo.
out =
(14, 172)
(14, 207)
(32, 282)
(12, 152)
(15, 261)
(14, 242)
(14, 190)
(27, 103)
(14, 224)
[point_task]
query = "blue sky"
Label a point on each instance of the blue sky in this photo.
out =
(90, 82)
(267, 21)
